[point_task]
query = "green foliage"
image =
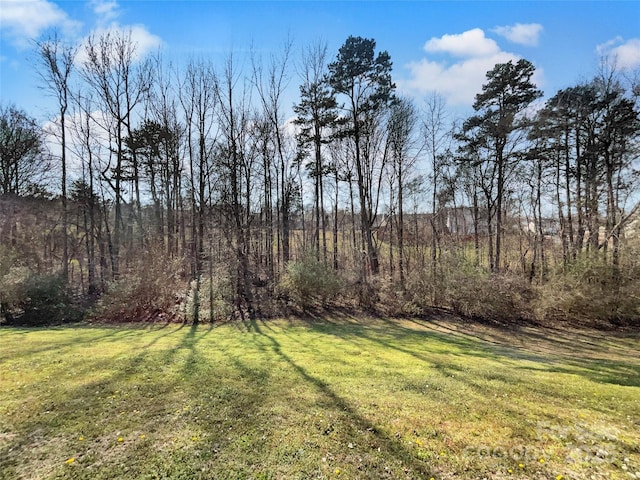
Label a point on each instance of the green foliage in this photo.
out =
(317, 108)
(308, 281)
(22, 159)
(46, 301)
(27, 298)
(358, 73)
(509, 89)
(211, 299)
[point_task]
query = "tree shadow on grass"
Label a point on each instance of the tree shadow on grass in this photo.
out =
(391, 446)
(390, 335)
(116, 388)
(609, 359)
(600, 371)
(602, 358)
(612, 359)
(235, 399)
(115, 335)
(566, 341)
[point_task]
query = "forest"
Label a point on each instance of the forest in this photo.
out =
(199, 193)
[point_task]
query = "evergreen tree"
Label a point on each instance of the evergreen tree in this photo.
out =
(364, 80)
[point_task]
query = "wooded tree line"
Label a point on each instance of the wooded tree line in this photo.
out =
(191, 178)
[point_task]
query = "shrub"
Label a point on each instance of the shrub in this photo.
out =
(591, 292)
(47, 301)
(12, 292)
(35, 300)
(13, 276)
(494, 297)
(367, 293)
(387, 297)
(470, 291)
(27, 298)
(213, 299)
(151, 290)
(308, 281)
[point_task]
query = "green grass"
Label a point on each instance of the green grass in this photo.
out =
(348, 398)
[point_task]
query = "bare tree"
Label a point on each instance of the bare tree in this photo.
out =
(437, 134)
(87, 150)
(404, 148)
(197, 97)
(270, 85)
(232, 119)
(120, 82)
(56, 63)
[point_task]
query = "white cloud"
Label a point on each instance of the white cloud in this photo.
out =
(605, 47)
(471, 43)
(521, 33)
(458, 82)
(23, 20)
(143, 40)
(106, 10)
(625, 55)
(461, 76)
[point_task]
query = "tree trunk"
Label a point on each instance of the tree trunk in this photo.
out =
(335, 224)
(401, 226)
(499, 199)
(65, 220)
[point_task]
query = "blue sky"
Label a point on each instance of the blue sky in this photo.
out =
(435, 46)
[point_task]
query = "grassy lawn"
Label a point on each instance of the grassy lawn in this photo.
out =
(347, 398)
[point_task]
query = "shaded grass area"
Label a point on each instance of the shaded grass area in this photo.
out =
(319, 398)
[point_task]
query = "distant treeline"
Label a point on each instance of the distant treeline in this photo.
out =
(184, 192)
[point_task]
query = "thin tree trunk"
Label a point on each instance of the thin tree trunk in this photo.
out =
(401, 225)
(476, 233)
(500, 193)
(335, 225)
(65, 220)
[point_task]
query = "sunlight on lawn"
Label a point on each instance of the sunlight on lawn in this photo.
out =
(324, 399)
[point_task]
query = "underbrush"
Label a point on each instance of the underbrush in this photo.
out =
(591, 293)
(30, 298)
(308, 282)
(211, 298)
(471, 292)
(38, 300)
(587, 293)
(152, 288)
